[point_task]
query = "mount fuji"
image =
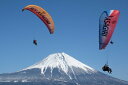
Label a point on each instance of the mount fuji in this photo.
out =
(59, 69)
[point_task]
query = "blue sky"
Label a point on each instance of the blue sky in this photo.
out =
(76, 33)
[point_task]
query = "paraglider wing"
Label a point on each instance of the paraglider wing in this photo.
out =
(107, 24)
(43, 15)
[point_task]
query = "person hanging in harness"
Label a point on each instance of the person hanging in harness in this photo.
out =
(107, 68)
(35, 42)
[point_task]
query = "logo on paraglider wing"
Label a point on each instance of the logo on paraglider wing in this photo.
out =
(106, 25)
(42, 14)
(32, 8)
(46, 19)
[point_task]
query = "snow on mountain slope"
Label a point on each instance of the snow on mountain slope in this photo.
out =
(62, 61)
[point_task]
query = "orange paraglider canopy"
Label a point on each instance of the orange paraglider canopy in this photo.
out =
(43, 15)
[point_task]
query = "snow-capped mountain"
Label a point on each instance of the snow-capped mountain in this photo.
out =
(60, 69)
(63, 62)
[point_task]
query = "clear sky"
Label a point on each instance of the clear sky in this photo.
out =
(76, 33)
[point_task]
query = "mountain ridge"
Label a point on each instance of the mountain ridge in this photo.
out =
(60, 69)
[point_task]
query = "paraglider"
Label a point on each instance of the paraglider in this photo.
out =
(35, 42)
(107, 24)
(43, 15)
(107, 68)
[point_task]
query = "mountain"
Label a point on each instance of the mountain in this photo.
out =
(59, 69)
